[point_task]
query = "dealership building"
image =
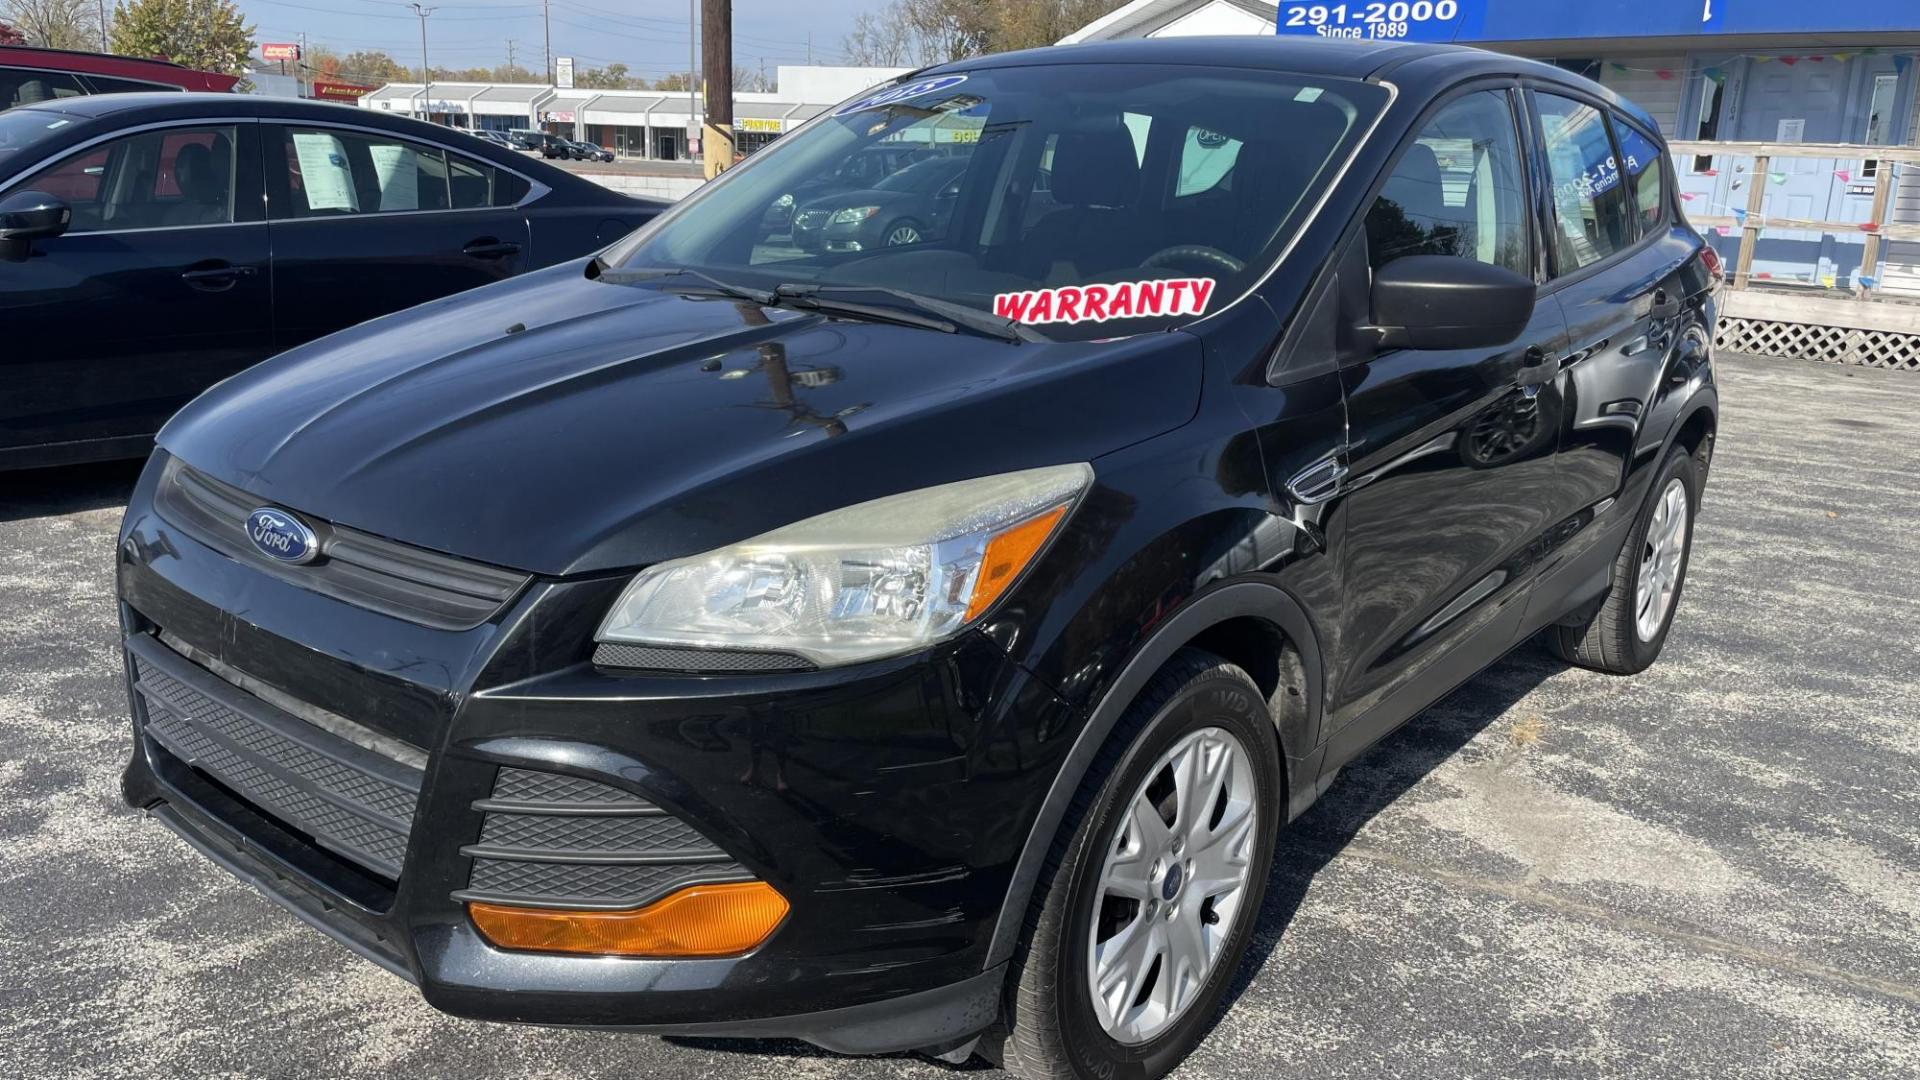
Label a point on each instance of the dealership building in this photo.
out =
(1776, 71)
(653, 125)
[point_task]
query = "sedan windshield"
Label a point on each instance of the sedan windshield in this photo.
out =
(1086, 200)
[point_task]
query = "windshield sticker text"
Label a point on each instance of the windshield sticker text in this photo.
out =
(900, 93)
(1098, 303)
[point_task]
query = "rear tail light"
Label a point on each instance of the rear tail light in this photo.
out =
(1712, 259)
(700, 920)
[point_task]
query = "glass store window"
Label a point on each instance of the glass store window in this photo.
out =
(1592, 218)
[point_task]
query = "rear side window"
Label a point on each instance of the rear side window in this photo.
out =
(105, 85)
(1457, 190)
(1592, 216)
(1646, 179)
(333, 172)
(22, 86)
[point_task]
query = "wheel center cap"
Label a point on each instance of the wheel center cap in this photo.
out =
(1170, 885)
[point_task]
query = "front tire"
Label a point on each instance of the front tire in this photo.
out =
(1150, 894)
(1625, 635)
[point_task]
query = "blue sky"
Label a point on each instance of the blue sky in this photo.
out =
(649, 36)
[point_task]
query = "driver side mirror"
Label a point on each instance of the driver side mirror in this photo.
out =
(26, 216)
(1446, 302)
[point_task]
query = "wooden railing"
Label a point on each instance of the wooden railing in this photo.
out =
(1876, 229)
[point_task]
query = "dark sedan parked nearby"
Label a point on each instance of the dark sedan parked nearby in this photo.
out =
(922, 647)
(586, 151)
(911, 206)
(153, 244)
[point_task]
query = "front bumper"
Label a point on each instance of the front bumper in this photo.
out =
(888, 803)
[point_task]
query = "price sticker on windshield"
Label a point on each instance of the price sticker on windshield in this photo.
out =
(898, 94)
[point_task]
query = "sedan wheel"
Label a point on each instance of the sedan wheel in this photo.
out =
(903, 234)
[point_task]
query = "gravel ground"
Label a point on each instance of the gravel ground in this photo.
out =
(1709, 870)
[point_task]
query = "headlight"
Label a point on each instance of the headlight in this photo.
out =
(853, 214)
(783, 201)
(866, 581)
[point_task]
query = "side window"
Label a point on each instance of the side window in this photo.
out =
(1590, 204)
(104, 85)
(24, 86)
(1205, 160)
(1458, 190)
(156, 179)
(331, 172)
(473, 184)
(1644, 175)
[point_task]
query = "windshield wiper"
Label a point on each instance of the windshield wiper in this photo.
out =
(925, 311)
(660, 273)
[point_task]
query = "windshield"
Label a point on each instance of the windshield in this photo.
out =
(1085, 200)
(20, 129)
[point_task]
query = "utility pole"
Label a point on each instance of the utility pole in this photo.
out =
(304, 69)
(509, 58)
(693, 73)
(546, 19)
(716, 47)
(809, 48)
(103, 25)
(426, 69)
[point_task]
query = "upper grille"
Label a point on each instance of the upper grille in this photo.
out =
(348, 799)
(407, 582)
(561, 841)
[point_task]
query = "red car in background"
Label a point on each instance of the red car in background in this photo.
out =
(29, 75)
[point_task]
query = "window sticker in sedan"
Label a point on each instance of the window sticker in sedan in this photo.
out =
(900, 93)
(1098, 303)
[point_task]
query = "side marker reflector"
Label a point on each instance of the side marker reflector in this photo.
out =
(700, 920)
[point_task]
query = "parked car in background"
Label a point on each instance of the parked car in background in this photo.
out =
(587, 151)
(912, 206)
(923, 647)
(496, 138)
(153, 244)
(29, 76)
(858, 170)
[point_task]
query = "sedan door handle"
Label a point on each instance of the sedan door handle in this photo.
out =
(217, 278)
(488, 248)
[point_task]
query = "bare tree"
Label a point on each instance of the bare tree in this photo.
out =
(879, 39)
(910, 32)
(55, 24)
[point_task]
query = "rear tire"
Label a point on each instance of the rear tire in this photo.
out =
(1626, 633)
(1165, 959)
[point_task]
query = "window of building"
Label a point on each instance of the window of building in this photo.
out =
(1706, 127)
(1458, 190)
(1592, 218)
(1886, 95)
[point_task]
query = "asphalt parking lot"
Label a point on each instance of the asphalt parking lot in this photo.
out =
(1710, 870)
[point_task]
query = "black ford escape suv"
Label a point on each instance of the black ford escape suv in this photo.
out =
(920, 647)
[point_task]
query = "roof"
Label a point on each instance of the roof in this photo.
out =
(1306, 56)
(109, 64)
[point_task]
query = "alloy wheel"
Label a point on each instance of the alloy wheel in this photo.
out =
(1171, 890)
(903, 234)
(1660, 556)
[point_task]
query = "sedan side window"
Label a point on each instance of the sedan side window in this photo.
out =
(21, 86)
(1458, 190)
(1589, 202)
(332, 172)
(153, 180)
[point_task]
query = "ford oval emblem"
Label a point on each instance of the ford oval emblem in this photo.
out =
(281, 536)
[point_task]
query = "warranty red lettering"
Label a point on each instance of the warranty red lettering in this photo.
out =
(1098, 303)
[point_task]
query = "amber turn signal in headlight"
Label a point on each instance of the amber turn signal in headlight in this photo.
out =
(700, 920)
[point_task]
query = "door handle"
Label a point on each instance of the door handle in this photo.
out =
(1538, 368)
(488, 248)
(217, 278)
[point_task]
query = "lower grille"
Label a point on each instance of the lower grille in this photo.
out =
(550, 840)
(347, 799)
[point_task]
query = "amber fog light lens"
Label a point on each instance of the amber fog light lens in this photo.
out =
(700, 920)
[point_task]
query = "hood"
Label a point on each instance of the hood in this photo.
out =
(858, 197)
(561, 425)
